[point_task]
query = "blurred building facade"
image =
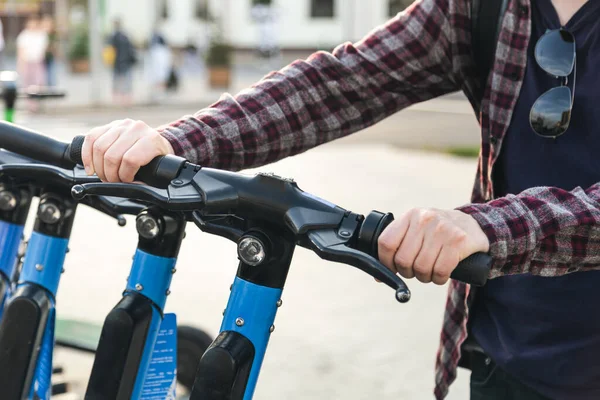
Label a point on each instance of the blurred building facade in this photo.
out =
(300, 24)
(14, 14)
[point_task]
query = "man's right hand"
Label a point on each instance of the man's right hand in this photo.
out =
(115, 152)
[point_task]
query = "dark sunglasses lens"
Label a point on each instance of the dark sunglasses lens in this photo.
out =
(551, 113)
(555, 52)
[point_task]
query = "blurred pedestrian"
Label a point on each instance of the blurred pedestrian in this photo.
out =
(161, 64)
(125, 59)
(51, 50)
(1, 45)
(32, 43)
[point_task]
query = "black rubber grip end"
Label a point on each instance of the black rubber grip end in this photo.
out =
(474, 269)
(160, 171)
(74, 150)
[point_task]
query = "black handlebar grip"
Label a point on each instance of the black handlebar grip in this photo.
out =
(161, 171)
(74, 149)
(34, 145)
(158, 173)
(473, 270)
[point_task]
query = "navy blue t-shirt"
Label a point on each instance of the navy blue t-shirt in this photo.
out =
(546, 331)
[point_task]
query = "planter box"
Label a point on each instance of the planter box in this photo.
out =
(80, 66)
(219, 77)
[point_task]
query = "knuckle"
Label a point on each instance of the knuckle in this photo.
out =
(442, 228)
(111, 158)
(125, 177)
(439, 279)
(95, 133)
(386, 243)
(139, 125)
(441, 272)
(99, 146)
(422, 268)
(402, 260)
(413, 212)
(426, 217)
(130, 160)
(459, 236)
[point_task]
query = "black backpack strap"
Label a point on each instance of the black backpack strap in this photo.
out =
(486, 19)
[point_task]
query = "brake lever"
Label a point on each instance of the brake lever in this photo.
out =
(47, 174)
(173, 198)
(124, 190)
(328, 245)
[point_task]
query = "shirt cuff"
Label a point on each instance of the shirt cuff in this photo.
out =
(510, 231)
(195, 151)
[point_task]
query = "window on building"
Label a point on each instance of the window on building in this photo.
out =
(322, 8)
(396, 6)
(201, 10)
(265, 2)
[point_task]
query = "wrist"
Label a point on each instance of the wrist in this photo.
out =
(167, 147)
(170, 144)
(481, 239)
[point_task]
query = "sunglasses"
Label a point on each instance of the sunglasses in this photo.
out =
(551, 113)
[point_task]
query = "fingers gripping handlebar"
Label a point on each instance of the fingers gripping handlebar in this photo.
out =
(474, 269)
(159, 172)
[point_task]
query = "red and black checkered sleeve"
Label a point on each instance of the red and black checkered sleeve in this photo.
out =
(329, 95)
(543, 231)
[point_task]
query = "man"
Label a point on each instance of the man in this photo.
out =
(1, 44)
(533, 330)
(125, 58)
(32, 43)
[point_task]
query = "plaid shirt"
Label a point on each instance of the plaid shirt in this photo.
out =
(422, 53)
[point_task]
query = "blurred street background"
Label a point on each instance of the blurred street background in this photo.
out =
(339, 335)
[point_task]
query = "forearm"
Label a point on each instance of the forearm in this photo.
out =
(325, 97)
(542, 231)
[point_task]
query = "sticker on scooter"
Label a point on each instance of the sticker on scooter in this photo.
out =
(161, 378)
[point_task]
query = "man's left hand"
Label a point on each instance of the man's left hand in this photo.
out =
(429, 243)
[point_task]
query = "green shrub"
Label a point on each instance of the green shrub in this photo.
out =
(219, 54)
(80, 45)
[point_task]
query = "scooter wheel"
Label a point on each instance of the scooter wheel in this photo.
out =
(191, 345)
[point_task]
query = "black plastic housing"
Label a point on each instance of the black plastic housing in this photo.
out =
(224, 368)
(120, 349)
(21, 334)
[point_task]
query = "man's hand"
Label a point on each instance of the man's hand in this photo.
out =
(429, 243)
(115, 152)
